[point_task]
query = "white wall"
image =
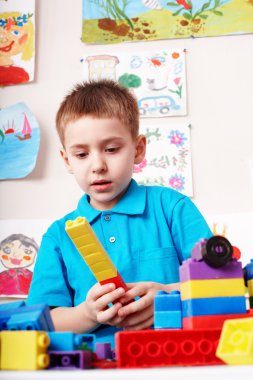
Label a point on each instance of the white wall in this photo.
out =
(220, 99)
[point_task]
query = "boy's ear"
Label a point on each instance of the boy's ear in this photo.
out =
(66, 160)
(140, 149)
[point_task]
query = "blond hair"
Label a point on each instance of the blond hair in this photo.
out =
(100, 99)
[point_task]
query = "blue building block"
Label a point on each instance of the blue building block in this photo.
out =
(35, 317)
(213, 306)
(69, 341)
(167, 310)
(168, 320)
(249, 270)
(164, 301)
(6, 310)
(11, 305)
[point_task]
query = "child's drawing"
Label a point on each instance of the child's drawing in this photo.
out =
(16, 42)
(114, 21)
(168, 158)
(157, 78)
(19, 141)
(19, 244)
(17, 254)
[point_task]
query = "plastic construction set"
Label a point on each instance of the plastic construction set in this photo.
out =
(208, 322)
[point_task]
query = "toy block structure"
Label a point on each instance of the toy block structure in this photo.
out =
(236, 342)
(211, 283)
(93, 253)
(155, 348)
(167, 310)
(24, 350)
(69, 341)
(70, 359)
(34, 317)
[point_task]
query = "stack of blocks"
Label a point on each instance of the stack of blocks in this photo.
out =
(93, 253)
(211, 295)
(29, 342)
(24, 338)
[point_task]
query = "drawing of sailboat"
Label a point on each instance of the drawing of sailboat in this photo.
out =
(26, 131)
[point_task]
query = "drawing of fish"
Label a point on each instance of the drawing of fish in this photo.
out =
(153, 4)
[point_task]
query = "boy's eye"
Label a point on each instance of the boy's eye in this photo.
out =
(112, 149)
(81, 154)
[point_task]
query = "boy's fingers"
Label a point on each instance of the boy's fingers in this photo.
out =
(98, 290)
(108, 298)
(104, 316)
(133, 307)
(137, 318)
(140, 326)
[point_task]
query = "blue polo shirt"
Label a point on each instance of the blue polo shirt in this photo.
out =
(147, 234)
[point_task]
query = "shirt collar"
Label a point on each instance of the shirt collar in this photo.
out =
(132, 203)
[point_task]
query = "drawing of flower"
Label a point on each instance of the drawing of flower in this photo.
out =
(138, 168)
(177, 138)
(177, 182)
(178, 91)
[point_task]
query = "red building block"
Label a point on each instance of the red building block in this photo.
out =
(156, 348)
(211, 321)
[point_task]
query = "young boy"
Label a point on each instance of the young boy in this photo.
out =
(147, 231)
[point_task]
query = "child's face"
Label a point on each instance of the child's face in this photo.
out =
(101, 154)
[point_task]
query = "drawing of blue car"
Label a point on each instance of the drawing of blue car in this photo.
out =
(162, 104)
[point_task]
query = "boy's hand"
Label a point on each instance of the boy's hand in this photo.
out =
(97, 301)
(139, 314)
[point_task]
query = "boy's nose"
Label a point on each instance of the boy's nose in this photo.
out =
(98, 165)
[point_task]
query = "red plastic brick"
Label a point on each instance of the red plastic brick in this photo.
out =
(211, 321)
(156, 348)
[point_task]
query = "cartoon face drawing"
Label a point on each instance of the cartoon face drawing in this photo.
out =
(15, 37)
(18, 251)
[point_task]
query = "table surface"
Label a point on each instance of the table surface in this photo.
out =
(165, 373)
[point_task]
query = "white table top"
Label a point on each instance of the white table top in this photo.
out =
(165, 373)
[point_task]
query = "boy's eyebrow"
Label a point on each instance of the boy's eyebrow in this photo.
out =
(102, 142)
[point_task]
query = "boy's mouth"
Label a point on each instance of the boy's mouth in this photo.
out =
(101, 184)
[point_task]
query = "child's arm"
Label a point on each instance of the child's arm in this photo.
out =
(140, 314)
(93, 311)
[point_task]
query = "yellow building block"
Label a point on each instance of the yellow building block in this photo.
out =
(236, 342)
(212, 288)
(24, 350)
(250, 287)
(90, 248)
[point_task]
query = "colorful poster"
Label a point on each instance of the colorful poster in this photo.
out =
(115, 21)
(19, 244)
(168, 158)
(19, 141)
(156, 78)
(17, 46)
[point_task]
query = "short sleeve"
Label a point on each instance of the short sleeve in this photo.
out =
(188, 227)
(49, 284)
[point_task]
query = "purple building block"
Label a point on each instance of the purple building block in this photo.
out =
(196, 252)
(103, 350)
(199, 270)
(70, 359)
